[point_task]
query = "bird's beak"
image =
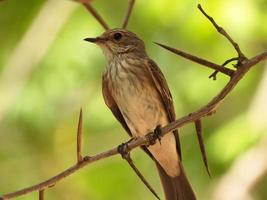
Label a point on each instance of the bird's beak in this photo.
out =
(95, 40)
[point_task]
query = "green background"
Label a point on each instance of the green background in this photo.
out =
(47, 73)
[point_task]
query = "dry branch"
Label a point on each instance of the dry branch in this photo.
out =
(236, 76)
(225, 34)
(139, 174)
(89, 7)
(128, 13)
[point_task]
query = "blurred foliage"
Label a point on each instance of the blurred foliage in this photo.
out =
(37, 130)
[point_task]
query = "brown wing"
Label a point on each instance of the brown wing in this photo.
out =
(110, 102)
(163, 89)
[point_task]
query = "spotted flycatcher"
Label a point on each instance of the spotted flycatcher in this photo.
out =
(137, 93)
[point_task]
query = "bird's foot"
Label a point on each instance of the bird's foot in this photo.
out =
(154, 136)
(123, 149)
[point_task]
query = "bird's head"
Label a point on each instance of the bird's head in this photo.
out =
(118, 41)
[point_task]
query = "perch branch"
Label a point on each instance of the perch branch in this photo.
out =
(204, 111)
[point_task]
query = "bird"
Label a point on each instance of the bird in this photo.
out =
(137, 93)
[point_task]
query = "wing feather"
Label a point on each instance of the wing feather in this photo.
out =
(163, 89)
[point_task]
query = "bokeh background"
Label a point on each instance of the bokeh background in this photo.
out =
(47, 73)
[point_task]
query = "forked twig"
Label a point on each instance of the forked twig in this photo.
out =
(214, 74)
(128, 13)
(225, 34)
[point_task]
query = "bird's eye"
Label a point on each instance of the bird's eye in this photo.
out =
(117, 36)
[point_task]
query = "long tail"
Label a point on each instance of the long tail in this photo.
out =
(177, 188)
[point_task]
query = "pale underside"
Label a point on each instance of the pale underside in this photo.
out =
(142, 109)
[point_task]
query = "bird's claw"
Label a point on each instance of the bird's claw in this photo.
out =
(123, 150)
(154, 136)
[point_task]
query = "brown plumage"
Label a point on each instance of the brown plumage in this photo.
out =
(137, 93)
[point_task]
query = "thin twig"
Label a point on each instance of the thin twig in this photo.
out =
(128, 13)
(224, 33)
(199, 60)
(139, 174)
(89, 7)
(79, 137)
(41, 194)
(214, 74)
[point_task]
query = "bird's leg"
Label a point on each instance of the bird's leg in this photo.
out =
(154, 136)
(123, 148)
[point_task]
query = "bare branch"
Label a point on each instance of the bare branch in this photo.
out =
(198, 60)
(139, 174)
(89, 7)
(79, 137)
(224, 33)
(128, 13)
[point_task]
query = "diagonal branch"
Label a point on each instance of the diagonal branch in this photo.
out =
(139, 174)
(89, 7)
(128, 13)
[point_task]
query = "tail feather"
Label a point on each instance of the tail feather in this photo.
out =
(177, 188)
